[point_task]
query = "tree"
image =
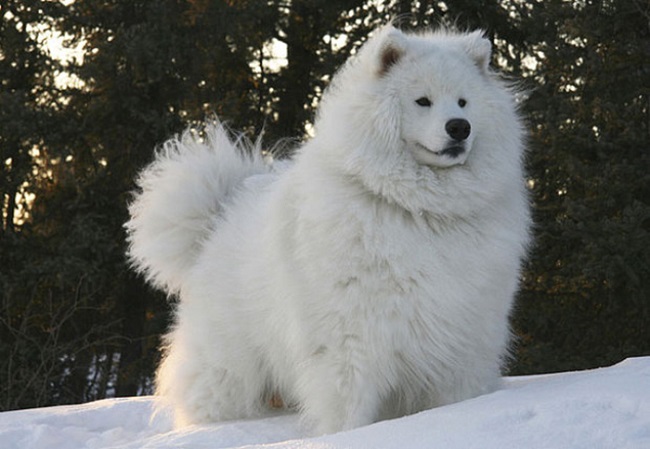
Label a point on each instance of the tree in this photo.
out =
(42, 312)
(587, 293)
(150, 68)
(25, 101)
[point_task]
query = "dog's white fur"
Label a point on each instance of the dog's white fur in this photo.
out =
(373, 275)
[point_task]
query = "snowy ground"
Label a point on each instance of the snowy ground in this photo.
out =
(604, 408)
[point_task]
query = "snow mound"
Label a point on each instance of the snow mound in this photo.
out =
(606, 408)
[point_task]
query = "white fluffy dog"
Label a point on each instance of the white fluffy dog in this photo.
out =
(370, 277)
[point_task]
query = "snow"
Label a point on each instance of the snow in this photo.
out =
(602, 408)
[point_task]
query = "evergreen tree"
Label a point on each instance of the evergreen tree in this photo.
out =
(587, 294)
(25, 100)
(150, 68)
(42, 310)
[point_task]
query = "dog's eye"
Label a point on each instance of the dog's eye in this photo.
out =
(462, 102)
(424, 102)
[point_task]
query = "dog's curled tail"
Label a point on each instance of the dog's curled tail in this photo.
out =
(180, 197)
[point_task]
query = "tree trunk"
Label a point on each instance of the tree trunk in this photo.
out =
(133, 318)
(302, 42)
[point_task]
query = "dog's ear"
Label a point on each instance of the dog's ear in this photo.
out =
(479, 48)
(391, 49)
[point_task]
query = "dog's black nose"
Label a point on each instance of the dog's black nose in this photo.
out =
(458, 128)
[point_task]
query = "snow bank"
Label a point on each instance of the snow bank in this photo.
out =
(598, 409)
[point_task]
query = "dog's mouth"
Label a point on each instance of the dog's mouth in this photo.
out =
(455, 153)
(452, 151)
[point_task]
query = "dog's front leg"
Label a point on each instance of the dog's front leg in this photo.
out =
(338, 390)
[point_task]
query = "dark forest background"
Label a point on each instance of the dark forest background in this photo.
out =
(76, 325)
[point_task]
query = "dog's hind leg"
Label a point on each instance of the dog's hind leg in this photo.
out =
(204, 389)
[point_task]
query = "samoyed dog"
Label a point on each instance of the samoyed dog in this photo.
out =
(369, 277)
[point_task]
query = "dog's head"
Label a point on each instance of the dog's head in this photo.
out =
(410, 107)
(436, 84)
